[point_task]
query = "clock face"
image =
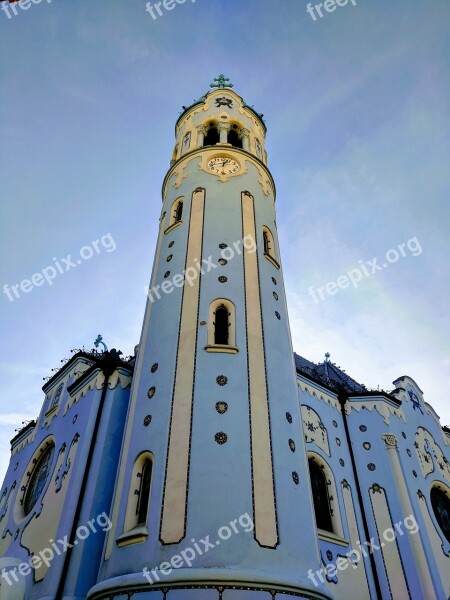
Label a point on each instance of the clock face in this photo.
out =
(221, 165)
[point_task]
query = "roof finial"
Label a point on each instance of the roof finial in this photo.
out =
(221, 82)
(99, 341)
(327, 357)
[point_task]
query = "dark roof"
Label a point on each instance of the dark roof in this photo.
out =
(28, 427)
(329, 374)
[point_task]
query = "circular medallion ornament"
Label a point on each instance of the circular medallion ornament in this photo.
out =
(371, 467)
(222, 380)
(221, 407)
(292, 445)
(147, 420)
(151, 392)
(295, 477)
(274, 281)
(362, 428)
(223, 279)
(221, 438)
(367, 446)
(288, 417)
(154, 368)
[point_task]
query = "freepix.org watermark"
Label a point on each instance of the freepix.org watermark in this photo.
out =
(155, 8)
(59, 267)
(367, 268)
(353, 557)
(329, 6)
(187, 556)
(202, 267)
(46, 556)
(9, 7)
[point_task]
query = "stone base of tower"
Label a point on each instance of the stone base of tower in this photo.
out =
(123, 588)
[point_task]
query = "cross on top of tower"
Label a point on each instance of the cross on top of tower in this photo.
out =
(221, 82)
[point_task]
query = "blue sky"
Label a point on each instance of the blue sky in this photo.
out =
(357, 109)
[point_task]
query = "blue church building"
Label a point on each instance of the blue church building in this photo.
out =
(216, 464)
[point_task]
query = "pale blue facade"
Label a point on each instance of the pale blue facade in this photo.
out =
(229, 423)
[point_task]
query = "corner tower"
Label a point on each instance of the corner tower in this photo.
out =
(212, 497)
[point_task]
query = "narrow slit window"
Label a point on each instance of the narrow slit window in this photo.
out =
(178, 212)
(144, 492)
(266, 243)
(222, 326)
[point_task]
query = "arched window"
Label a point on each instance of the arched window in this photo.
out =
(269, 247)
(441, 508)
(136, 516)
(175, 214)
(212, 137)
(234, 138)
(320, 496)
(222, 327)
(144, 492)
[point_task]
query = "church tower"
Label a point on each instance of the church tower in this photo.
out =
(212, 497)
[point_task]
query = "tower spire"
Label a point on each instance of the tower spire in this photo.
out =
(213, 435)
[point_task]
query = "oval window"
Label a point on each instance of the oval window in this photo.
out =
(441, 508)
(38, 479)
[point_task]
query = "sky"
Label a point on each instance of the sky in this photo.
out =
(357, 108)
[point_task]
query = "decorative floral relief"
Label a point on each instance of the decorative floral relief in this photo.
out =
(221, 438)
(64, 468)
(415, 401)
(221, 407)
(4, 501)
(315, 431)
(430, 455)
